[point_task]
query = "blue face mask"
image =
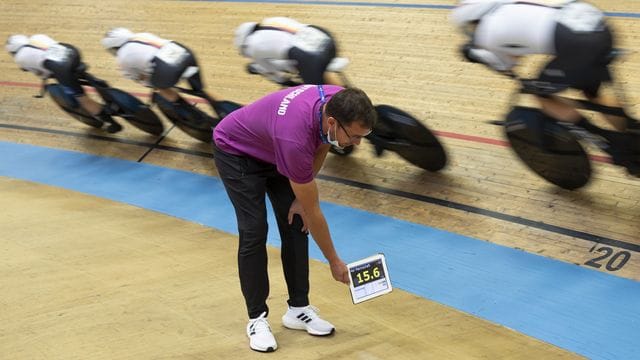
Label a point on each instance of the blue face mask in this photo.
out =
(334, 142)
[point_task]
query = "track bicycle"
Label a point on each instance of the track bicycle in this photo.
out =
(193, 121)
(554, 149)
(117, 103)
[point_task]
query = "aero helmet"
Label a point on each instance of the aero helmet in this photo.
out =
(15, 42)
(116, 37)
(242, 32)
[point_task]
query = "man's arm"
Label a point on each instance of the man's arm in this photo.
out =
(307, 195)
(497, 61)
(268, 69)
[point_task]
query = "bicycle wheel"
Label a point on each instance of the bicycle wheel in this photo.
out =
(135, 112)
(189, 119)
(398, 131)
(224, 107)
(547, 148)
(71, 106)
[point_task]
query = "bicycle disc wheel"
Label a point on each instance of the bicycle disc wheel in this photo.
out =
(136, 112)
(398, 131)
(547, 148)
(189, 119)
(70, 105)
(225, 107)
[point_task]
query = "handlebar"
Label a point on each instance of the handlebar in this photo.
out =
(220, 107)
(549, 90)
(87, 79)
(197, 93)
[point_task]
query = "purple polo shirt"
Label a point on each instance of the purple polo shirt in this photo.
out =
(282, 128)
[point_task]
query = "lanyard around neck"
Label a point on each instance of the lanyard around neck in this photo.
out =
(323, 100)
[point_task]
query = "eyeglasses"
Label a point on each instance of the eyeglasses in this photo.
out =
(354, 138)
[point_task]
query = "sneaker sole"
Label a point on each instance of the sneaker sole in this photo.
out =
(297, 326)
(267, 350)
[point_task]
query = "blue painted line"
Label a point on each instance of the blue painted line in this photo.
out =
(591, 313)
(376, 4)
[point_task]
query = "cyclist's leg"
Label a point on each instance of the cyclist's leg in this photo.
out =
(65, 72)
(581, 63)
(169, 94)
(554, 107)
(620, 143)
(191, 70)
(618, 123)
(309, 66)
(330, 52)
(195, 79)
(562, 72)
(312, 65)
(332, 78)
(592, 75)
(559, 110)
(164, 77)
(598, 72)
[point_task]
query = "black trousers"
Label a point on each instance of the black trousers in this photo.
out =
(247, 181)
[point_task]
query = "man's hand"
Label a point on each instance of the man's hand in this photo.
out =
(466, 51)
(253, 69)
(486, 57)
(339, 271)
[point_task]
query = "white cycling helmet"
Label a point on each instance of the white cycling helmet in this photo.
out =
(15, 42)
(116, 37)
(242, 32)
(469, 11)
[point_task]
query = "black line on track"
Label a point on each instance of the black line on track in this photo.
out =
(155, 145)
(107, 138)
(490, 213)
(422, 198)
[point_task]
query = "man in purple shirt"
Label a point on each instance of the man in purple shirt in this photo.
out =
(276, 146)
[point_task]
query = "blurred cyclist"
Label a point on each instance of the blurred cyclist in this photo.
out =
(574, 32)
(47, 58)
(154, 62)
(282, 49)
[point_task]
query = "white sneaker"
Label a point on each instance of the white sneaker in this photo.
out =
(306, 318)
(260, 336)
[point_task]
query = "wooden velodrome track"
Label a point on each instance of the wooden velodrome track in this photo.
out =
(65, 298)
